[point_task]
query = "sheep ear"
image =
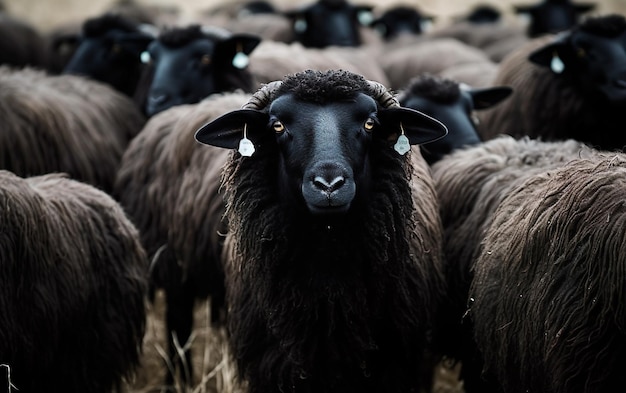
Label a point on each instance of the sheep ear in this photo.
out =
(545, 55)
(416, 126)
(227, 130)
(236, 49)
(490, 96)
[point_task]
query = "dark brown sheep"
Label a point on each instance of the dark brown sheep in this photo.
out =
(470, 185)
(74, 280)
(163, 183)
(333, 245)
(547, 298)
(64, 124)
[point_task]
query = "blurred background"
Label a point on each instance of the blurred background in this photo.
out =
(47, 14)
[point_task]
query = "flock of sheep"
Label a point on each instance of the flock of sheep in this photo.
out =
(361, 200)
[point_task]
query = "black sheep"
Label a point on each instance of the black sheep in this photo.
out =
(453, 104)
(109, 50)
(212, 60)
(333, 246)
(569, 86)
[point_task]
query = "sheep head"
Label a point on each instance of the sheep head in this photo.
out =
(453, 104)
(190, 63)
(322, 126)
(109, 51)
(591, 56)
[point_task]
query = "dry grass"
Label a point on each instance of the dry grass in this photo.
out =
(213, 371)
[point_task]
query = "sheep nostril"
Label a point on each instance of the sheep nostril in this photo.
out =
(329, 186)
(158, 98)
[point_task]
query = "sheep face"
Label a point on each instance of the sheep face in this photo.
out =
(322, 149)
(552, 16)
(454, 105)
(329, 23)
(596, 63)
(401, 20)
(111, 56)
(187, 73)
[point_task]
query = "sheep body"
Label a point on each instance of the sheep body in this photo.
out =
(64, 123)
(162, 183)
(74, 279)
(548, 288)
(470, 185)
(432, 56)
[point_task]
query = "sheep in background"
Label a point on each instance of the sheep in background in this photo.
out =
(568, 86)
(552, 16)
(496, 40)
(400, 20)
(109, 50)
(74, 280)
(547, 297)
(453, 104)
(327, 23)
(213, 60)
(21, 44)
(470, 185)
(272, 61)
(332, 249)
(64, 123)
(163, 183)
(401, 63)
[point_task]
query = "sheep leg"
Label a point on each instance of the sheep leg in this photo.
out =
(179, 319)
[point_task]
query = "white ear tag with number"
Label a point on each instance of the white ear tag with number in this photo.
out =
(556, 64)
(246, 147)
(402, 145)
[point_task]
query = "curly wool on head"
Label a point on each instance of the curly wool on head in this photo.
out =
(433, 88)
(181, 36)
(101, 25)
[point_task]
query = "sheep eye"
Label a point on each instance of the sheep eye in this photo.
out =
(116, 48)
(278, 126)
(205, 60)
(580, 52)
(369, 124)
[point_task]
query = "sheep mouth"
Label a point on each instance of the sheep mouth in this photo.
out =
(328, 209)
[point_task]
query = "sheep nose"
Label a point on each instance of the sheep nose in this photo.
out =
(158, 99)
(329, 186)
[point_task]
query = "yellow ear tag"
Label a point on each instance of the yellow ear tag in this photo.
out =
(246, 147)
(402, 145)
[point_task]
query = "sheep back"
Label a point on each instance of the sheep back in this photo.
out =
(549, 283)
(74, 279)
(65, 124)
(470, 185)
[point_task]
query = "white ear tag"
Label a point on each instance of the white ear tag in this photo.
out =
(402, 145)
(241, 60)
(246, 147)
(556, 65)
(300, 25)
